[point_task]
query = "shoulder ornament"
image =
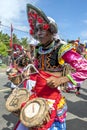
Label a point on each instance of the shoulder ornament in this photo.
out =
(64, 48)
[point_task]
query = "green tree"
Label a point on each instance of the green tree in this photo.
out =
(24, 42)
(3, 49)
(15, 39)
(5, 39)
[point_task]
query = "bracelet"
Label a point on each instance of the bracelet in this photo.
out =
(71, 79)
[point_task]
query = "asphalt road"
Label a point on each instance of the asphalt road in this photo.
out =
(77, 107)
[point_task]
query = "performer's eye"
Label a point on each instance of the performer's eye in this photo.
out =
(39, 28)
(36, 30)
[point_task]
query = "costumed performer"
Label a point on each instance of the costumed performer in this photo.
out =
(51, 56)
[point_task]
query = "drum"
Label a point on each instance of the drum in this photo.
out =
(14, 76)
(11, 71)
(35, 113)
(16, 98)
(17, 79)
(66, 70)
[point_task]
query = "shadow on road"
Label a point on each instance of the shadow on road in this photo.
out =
(76, 124)
(78, 108)
(8, 84)
(82, 96)
(11, 120)
(7, 93)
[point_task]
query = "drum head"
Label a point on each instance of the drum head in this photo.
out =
(16, 98)
(16, 79)
(34, 112)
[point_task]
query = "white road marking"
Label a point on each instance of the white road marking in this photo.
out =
(6, 89)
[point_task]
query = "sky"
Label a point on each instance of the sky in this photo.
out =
(70, 16)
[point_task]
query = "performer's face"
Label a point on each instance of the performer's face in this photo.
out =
(43, 36)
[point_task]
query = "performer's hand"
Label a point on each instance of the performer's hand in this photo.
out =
(54, 82)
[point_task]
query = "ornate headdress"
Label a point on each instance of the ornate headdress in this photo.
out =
(35, 15)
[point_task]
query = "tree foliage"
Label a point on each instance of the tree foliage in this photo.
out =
(5, 41)
(3, 49)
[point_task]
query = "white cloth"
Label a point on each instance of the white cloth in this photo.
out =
(30, 84)
(13, 85)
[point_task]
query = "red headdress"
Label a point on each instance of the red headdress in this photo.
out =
(17, 47)
(35, 15)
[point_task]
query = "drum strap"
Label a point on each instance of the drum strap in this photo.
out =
(17, 125)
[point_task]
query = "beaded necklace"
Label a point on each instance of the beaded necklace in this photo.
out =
(42, 50)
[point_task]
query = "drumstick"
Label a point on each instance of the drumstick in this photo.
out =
(42, 76)
(28, 67)
(31, 65)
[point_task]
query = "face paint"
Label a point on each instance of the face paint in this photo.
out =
(40, 32)
(43, 36)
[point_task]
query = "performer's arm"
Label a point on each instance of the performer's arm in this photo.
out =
(77, 62)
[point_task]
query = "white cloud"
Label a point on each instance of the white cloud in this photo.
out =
(9, 10)
(14, 11)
